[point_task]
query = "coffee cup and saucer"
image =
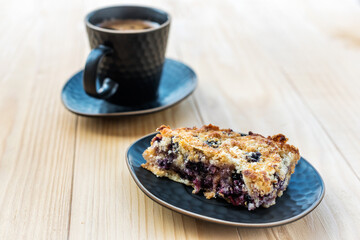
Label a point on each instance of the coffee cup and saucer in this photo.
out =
(126, 72)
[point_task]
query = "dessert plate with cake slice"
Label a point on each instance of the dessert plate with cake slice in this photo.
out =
(222, 176)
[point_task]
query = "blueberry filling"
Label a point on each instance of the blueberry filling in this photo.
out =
(207, 177)
(195, 167)
(165, 163)
(213, 143)
(237, 176)
(218, 181)
(208, 181)
(194, 170)
(175, 147)
(253, 156)
(279, 184)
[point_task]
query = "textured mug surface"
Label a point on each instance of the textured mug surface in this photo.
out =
(137, 57)
(304, 192)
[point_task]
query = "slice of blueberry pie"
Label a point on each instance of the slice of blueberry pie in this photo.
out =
(245, 170)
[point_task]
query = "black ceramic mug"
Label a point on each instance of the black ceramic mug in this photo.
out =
(124, 67)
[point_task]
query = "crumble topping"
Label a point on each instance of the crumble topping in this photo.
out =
(248, 170)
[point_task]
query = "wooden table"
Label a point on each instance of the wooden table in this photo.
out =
(266, 66)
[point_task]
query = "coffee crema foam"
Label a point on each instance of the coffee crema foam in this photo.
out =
(128, 24)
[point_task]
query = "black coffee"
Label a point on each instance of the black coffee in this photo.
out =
(128, 24)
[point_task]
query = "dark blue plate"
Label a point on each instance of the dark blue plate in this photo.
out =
(305, 191)
(177, 82)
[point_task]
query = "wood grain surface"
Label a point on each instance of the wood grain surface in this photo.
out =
(266, 66)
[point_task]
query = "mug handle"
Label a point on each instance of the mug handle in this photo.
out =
(108, 87)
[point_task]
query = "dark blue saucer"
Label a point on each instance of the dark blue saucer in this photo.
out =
(178, 81)
(304, 193)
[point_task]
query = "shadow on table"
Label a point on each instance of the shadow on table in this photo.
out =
(140, 125)
(126, 126)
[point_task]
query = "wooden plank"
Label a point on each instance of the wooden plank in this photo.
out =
(270, 67)
(326, 76)
(37, 135)
(106, 203)
(221, 97)
(244, 88)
